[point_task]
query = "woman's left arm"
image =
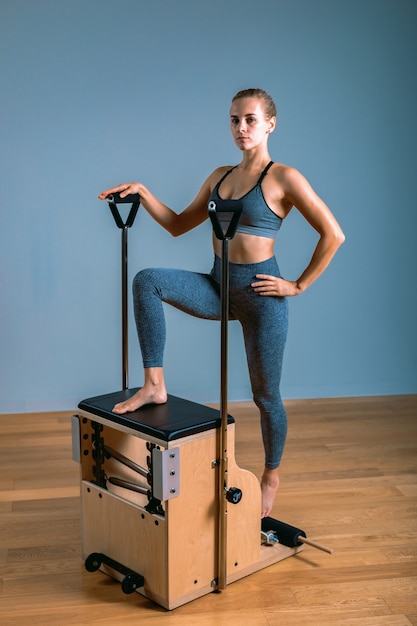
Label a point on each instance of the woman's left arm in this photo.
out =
(300, 194)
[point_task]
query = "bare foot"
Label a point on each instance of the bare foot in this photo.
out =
(146, 395)
(269, 487)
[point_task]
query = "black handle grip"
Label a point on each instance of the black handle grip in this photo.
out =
(131, 197)
(234, 208)
(115, 199)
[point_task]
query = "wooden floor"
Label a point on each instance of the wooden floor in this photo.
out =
(348, 478)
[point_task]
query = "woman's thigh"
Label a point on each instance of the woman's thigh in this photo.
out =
(194, 293)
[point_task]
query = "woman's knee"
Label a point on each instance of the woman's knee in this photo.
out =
(268, 404)
(143, 281)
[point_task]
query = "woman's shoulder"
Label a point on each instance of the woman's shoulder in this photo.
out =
(218, 174)
(286, 173)
(280, 169)
(222, 170)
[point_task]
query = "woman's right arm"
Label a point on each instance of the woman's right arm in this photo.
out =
(175, 223)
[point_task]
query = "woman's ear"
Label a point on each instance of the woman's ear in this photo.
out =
(272, 123)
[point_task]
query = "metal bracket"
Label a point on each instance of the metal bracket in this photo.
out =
(166, 473)
(269, 538)
(76, 438)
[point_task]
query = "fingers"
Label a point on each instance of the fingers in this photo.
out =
(123, 189)
(273, 286)
(266, 286)
(265, 281)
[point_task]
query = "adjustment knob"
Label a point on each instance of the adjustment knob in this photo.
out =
(234, 495)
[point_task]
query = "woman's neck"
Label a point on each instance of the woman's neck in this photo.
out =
(254, 161)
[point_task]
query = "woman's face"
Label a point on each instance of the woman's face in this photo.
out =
(248, 124)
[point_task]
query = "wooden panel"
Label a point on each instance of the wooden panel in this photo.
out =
(244, 518)
(192, 519)
(127, 534)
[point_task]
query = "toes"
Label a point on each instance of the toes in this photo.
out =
(120, 408)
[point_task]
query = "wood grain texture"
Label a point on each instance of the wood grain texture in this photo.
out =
(348, 479)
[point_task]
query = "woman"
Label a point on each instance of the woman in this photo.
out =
(258, 293)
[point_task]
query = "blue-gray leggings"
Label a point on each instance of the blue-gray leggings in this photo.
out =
(264, 321)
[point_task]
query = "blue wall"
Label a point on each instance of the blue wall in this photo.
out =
(97, 92)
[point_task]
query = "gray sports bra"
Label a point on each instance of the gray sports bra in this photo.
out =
(256, 218)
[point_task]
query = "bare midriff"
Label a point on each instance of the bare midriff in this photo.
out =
(244, 248)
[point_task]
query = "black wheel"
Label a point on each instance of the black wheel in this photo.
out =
(93, 562)
(131, 582)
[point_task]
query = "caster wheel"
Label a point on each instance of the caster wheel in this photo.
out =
(131, 582)
(93, 562)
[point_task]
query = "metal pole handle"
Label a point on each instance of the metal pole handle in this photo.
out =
(124, 226)
(234, 208)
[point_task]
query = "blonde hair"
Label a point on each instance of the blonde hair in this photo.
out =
(269, 105)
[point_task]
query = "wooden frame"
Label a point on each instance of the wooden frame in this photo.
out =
(176, 552)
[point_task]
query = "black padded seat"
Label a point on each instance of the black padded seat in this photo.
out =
(176, 419)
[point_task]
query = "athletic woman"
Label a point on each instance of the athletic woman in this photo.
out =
(258, 293)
